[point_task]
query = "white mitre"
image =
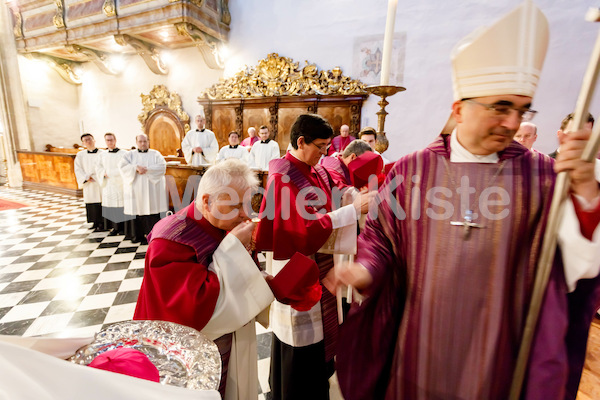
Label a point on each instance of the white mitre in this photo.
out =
(505, 58)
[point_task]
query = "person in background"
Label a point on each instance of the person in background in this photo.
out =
(109, 178)
(369, 136)
(200, 146)
(233, 150)
(263, 151)
(339, 143)
(251, 139)
(145, 194)
(564, 125)
(85, 164)
(527, 134)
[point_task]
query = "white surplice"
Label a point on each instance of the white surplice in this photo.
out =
(85, 168)
(580, 256)
(228, 151)
(204, 138)
(243, 294)
(261, 153)
(143, 194)
(109, 178)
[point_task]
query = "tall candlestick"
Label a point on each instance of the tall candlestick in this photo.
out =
(388, 41)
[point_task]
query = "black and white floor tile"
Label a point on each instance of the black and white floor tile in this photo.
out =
(60, 279)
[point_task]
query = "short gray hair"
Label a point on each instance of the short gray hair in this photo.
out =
(229, 173)
(357, 147)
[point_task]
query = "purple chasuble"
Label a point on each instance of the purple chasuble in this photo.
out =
(445, 315)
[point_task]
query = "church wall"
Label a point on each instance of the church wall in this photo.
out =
(52, 105)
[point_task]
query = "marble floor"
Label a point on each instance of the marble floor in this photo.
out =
(60, 279)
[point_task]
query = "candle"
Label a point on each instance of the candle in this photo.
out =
(388, 41)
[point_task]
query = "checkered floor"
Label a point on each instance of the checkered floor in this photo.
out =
(60, 279)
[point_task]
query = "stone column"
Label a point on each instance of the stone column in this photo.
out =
(13, 113)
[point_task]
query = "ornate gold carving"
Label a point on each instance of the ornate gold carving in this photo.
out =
(207, 45)
(225, 15)
(18, 25)
(97, 57)
(160, 96)
(59, 17)
(149, 54)
(280, 76)
(65, 68)
(198, 3)
(109, 8)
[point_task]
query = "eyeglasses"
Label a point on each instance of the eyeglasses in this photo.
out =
(323, 149)
(503, 110)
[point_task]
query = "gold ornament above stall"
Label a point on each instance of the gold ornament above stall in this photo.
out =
(159, 97)
(280, 76)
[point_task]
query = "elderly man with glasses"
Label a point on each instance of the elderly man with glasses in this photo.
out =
(447, 263)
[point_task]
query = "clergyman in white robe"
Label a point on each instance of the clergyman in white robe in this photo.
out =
(262, 152)
(85, 165)
(109, 178)
(144, 195)
(204, 138)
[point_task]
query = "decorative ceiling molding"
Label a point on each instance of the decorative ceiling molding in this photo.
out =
(109, 8)
(280, 76)
(18, 23)
(208, 46)
(159, 97)
(64, 68)
(100, 59)
(59, 17)
(149, 54)
(225, 14)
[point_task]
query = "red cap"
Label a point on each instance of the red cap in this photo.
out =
(297, 284)
(127, 361)
(363, 166)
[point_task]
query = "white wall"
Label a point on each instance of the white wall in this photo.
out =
(323, 33)
(52, 105)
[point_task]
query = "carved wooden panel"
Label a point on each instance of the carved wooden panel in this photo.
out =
(279, 113)
(255, 117)
(164, 134)
(49, 170)
(223, 122)
(286, 119)
(336, 115)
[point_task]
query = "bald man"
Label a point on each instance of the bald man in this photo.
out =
(145, 196)
(527, 134)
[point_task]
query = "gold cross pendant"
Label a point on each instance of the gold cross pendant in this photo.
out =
(467, 224)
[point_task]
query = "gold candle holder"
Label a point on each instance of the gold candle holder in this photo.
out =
(383, 92)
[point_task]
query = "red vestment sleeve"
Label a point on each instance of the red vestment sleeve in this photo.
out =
(283, 228)
(176, 287)
(588, 220)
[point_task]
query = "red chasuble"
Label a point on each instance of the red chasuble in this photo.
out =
(283, 229)
(340, 175)
(177, 285)
(339, 143)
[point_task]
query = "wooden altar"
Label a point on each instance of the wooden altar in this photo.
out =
(51, 171)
